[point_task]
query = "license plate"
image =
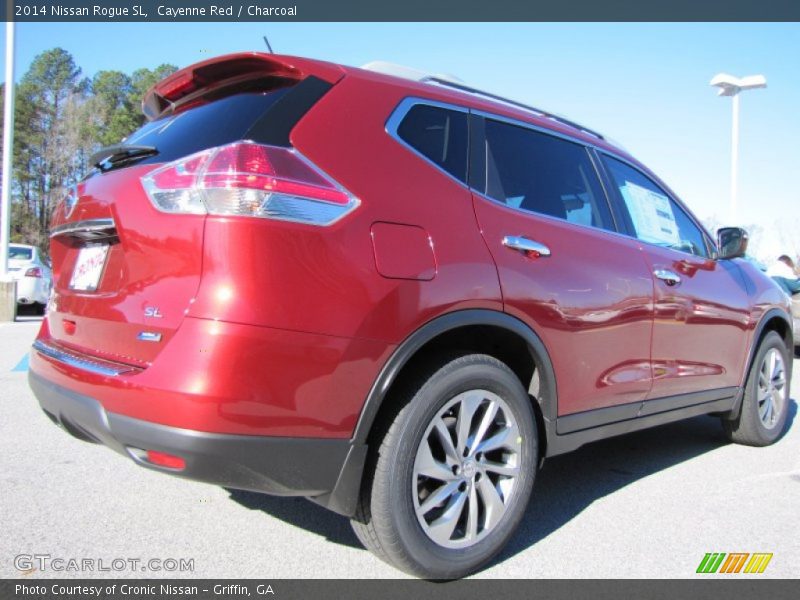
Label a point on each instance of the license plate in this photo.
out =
(88, 268)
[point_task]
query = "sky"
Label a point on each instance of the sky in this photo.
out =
(644, 85)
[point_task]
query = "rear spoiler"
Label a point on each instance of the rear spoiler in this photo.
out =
(248, 70)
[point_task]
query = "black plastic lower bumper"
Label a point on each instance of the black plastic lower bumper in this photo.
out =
(327, 471)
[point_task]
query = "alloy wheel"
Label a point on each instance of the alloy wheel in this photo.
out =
(771, 388)
(466, 469)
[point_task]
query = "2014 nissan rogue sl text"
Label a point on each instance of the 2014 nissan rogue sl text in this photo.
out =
(393, 294)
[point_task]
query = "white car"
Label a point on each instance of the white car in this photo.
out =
(33, 275)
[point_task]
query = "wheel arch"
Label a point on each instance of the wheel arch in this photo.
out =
(343, 498)
(775, 320)
(459, 330)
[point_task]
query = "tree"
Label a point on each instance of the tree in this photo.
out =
(112, 112)
(141, 81)
(52, 89)
(60, 119)
(116, 102)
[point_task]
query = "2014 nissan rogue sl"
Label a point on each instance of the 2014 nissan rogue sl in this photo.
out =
(393, 295)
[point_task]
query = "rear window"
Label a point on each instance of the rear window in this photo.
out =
(19, 253)
(440, 135)
(207, 126)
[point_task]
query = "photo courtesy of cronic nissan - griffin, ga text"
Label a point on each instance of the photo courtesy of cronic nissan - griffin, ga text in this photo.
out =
(393, 294)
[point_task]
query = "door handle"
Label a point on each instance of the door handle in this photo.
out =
(526, 246)
(669, 277)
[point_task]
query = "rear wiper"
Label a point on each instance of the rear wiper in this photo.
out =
(111, 156)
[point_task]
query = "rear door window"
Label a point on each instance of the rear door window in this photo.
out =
(440, 135)
(541, 173)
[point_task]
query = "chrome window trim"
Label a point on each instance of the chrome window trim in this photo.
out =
(409, 102)
(73, 359)
(88, 225)
(400, 112)
(405, 105)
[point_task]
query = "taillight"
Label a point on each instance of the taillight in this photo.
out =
(34, 272)
(248, 179)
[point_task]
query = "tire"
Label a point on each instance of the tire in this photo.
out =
(450, 539)
(767, 385)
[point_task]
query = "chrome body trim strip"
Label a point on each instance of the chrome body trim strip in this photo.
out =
(87, 226)
(83, 362)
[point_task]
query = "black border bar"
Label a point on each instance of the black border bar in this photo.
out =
(399, 10)
(730, 588)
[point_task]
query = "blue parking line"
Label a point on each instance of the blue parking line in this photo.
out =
(22, 365)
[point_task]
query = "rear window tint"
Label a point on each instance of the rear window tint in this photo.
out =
(215, 124)
(20, 253)
(438, 134)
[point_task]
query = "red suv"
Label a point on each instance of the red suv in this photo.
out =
(395, 296)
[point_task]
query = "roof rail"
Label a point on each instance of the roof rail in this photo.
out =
(453, 82)
(387, 68)
(544, 113)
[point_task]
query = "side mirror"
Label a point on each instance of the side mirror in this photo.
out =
(731, 242)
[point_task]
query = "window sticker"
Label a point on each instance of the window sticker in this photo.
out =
(651, 213)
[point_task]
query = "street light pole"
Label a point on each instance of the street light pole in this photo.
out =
(8, 288)
(732, 86)
(8, 143)
(734, 160)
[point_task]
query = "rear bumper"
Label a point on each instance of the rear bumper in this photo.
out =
(221, 378)
(326, 470)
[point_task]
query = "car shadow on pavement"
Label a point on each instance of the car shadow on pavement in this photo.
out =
(564, 488)
(570, 483)
(300, 513)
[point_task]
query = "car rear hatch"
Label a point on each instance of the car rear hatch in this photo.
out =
(125, 271)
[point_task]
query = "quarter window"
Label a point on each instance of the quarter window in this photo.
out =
(438, 134)
(656, 218)
(541, 173)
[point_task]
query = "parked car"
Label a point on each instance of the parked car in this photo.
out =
(796, 315)
(30, 270)
(393, 295)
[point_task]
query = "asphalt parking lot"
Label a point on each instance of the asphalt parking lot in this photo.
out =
(649, 504)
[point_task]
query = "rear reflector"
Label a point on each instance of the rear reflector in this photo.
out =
(250, 180)
(69, 326)
(162, 459)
